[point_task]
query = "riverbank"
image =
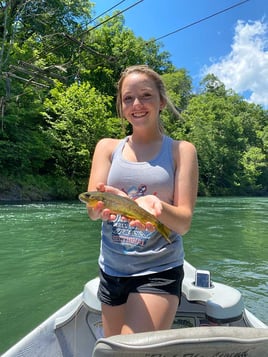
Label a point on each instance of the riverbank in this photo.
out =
(50, 188)
(39, 188)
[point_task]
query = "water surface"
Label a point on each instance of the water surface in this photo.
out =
(49, 251)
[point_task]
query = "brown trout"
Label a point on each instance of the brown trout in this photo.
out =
(124, 206)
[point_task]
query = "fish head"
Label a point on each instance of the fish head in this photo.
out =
(89, 198)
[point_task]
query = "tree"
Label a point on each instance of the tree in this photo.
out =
(227, 133)
(78, 116)
(58, 74)
(111, 48)
(178, 85)
(32, 56)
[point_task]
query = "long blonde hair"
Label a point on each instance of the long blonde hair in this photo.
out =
(158, 82)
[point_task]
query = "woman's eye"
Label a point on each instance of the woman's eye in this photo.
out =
(127, 99)
(146, 96)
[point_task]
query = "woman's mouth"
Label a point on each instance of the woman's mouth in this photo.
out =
(139, 115)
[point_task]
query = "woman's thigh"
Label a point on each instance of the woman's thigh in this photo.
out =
(149, 312)
(113, 318)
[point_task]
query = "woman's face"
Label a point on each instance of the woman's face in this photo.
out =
(141, 101)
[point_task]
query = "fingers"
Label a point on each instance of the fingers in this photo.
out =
(100, 187)
(106, 215)
(105, 188)
(103, 213)
(148, 226)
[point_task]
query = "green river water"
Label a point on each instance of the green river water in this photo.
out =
(48, 251)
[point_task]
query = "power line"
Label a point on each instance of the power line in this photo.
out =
(111, 17)
(105, 12)
(37, 71)
(198, 21)
(80, 43)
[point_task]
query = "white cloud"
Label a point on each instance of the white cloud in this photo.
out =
(245, 68)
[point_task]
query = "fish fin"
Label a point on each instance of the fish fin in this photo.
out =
(165, 231)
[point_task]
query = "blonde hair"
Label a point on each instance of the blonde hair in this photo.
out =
(157, 80)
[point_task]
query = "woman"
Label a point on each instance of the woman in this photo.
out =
(140, 272)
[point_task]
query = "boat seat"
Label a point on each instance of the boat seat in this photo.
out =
(90, 297)
(195, 341)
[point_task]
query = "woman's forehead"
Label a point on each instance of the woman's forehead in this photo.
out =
(138, 80)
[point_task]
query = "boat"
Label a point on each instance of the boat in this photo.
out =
(211, 321)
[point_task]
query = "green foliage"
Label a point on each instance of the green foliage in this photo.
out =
(112, 47)
(253, 161)
(24, 146)
(38, 188)
(226, 131)
(58, 74)
(178, 85)
(78, 118)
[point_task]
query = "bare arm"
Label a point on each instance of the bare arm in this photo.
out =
(178, 216)
(100, 167)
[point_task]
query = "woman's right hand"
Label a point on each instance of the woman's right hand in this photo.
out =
(99, 211)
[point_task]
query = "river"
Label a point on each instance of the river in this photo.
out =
(50, 250)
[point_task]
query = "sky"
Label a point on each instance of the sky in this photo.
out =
(232, 44)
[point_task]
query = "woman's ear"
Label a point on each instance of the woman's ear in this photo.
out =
(163, 104)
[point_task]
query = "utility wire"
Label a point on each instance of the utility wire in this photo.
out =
(111, 17)
(81, 35)
(198, 21)
(81, 43)
(105, 12)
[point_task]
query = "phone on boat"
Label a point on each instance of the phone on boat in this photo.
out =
(202, 278)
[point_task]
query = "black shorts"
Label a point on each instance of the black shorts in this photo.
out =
(114, 290)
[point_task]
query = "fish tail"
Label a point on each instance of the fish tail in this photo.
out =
(165, 231)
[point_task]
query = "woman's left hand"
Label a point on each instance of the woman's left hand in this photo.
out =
(153, 205)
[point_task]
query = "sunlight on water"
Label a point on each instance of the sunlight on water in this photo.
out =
(229, 237)
(49, 251)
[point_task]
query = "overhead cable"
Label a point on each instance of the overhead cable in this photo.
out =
(111, 17)
(198, 21)
(105, 12)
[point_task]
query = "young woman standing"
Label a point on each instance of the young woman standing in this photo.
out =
(140, 272)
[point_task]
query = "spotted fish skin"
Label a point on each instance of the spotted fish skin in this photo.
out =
(124, 206)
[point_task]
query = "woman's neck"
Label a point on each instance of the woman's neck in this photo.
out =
(138, 149)
(145, 138)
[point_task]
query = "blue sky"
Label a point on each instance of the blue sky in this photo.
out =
(233, 45)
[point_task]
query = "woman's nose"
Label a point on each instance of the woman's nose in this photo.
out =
(137, 101)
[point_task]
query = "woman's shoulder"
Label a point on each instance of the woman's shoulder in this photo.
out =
(183, 145)
(183, 151)
(108, 144)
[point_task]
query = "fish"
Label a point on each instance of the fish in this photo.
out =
(126, 207)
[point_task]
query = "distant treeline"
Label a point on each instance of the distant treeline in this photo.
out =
(58, 74)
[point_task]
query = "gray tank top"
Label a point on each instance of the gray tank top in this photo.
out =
(128, 251)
